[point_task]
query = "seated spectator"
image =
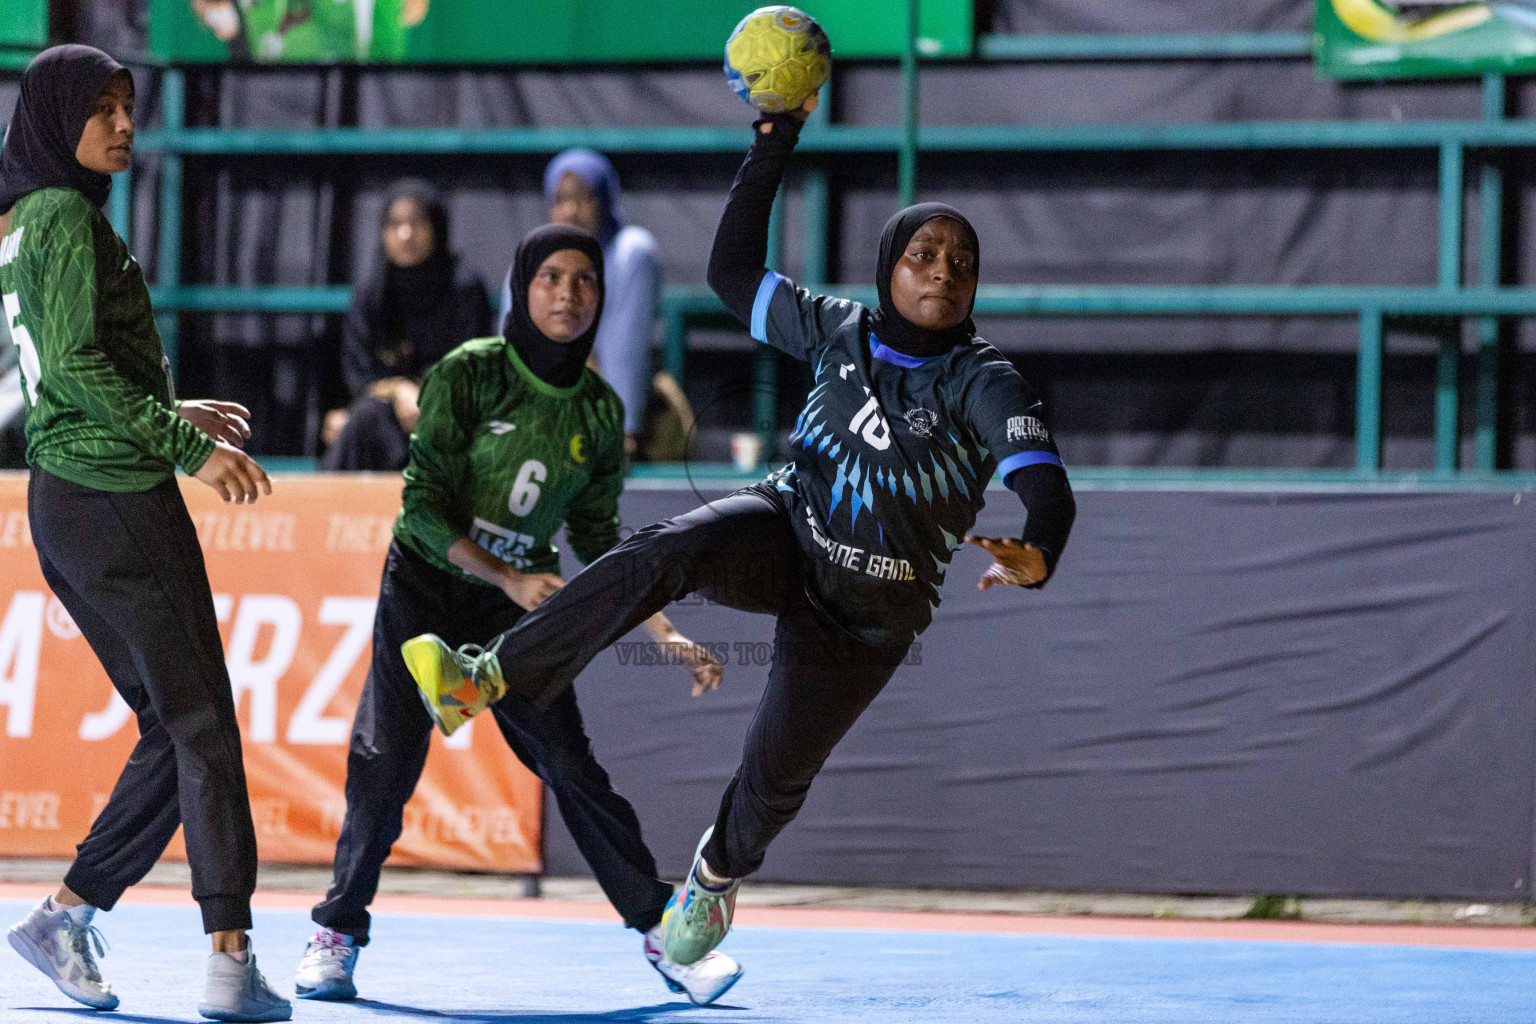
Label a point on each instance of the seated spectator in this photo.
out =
(420, 303)
(582, 190)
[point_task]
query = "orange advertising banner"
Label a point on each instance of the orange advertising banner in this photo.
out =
(295, 581)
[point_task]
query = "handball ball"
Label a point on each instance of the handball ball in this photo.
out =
(777, 58)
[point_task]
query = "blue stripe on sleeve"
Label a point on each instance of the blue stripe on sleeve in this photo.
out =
(760, 305)
(1022, 459)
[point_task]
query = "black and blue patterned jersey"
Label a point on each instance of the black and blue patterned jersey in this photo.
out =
(892, 456)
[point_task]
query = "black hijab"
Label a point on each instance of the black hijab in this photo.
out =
(411, 313)
(554, 363)
(411, 291)
(59, 90)
(895, 330)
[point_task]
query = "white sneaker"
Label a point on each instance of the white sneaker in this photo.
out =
(59, 946)
(702, 982)
(236, 991)
(326, 970)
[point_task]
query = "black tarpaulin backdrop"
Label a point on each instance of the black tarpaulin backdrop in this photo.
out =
(1318, 693)
(1121, 392)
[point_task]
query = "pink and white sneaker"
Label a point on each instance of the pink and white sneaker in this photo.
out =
(326, 970)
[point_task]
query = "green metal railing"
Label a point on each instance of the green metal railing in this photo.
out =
(685, 308)
(15, 60)
(1194, 46)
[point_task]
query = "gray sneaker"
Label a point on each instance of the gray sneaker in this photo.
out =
(237, 992)
(55, 944)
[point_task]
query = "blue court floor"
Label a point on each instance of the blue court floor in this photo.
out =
(483, 970)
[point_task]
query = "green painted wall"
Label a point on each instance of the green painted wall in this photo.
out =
(530, 31)
(24, 23)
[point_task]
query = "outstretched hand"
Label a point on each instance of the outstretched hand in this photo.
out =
(1018, 564)
(529, 589)
(707, 672)
(234, 474)
(799, 114)
(229, 422)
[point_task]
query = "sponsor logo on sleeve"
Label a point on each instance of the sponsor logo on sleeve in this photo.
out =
(1027, 428)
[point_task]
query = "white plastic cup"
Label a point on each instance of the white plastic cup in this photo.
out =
(746, 451)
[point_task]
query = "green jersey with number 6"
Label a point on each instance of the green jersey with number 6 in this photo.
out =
(503, 458)
(100, 408)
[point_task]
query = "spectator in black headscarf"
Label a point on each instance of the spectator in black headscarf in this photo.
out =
(420, 303)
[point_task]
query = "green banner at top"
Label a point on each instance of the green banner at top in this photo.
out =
(24, 23)
(519, 31)
(1424, 38)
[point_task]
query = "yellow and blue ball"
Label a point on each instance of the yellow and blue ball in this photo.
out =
(776, 58)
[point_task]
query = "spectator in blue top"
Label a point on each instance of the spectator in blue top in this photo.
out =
(582, 190)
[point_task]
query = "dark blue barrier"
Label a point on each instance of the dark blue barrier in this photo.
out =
(1317, 691)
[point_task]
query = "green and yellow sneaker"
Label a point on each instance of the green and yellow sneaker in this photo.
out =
(698, 916)
(454, 685)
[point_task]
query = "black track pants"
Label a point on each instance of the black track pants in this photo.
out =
(129, 570)
(741, 552)
(392, 730)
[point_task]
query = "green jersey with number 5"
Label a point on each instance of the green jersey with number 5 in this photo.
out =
(100, 409)
(503, 458)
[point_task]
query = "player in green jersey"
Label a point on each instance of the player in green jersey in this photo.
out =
(104, 436)
(316, 31)
(516, 437)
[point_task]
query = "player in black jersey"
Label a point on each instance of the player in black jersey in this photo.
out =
(910, 416)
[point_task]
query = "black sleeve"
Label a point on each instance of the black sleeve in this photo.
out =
(1048, 502)
(476, 316)
(358, 369)
(738, 260)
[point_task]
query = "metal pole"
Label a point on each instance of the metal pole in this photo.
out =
(907, 165)
(765, 375)
(174, 90)
(1368, 393)
(1490, 262)
(675, 345)
(1448, 364)
(817, 198)
(817, 204)
(120, 205)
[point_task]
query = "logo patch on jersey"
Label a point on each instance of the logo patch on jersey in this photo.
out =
(922, 421)
(576, 449)
(498, 428)
(1027, 428)
(843, 370)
